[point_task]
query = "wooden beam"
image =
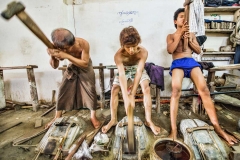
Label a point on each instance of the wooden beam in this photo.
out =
(9, 126)
(2, 91)
(102, 88)
(158, 102)
(33, 88)
(226, 67)
(18, 67)
(111, 78)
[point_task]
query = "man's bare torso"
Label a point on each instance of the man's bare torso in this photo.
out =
(130, 60)
(179, 53)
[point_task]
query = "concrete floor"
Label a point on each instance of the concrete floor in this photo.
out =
(228, 117)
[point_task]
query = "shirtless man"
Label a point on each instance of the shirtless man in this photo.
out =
(184, 65)
(130, 60)
(77, 89)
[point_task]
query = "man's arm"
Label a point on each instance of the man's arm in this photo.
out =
(193, 44)
(53, 61)
(138, 74)
(122, 76)
(78, 61)
(172, 42)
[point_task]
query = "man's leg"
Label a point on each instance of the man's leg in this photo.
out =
(94, 120)
(58, 114)
(199, 81)
(147, 100)
(177, 77)
(113, 106)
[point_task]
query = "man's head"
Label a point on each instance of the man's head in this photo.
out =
(129, 39)
(62, 38)
(178, 17)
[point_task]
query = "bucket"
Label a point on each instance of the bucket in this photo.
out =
(167, 149)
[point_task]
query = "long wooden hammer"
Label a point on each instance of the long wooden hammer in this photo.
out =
(186, 18)
(17, 8)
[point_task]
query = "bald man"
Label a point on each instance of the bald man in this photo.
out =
(77, 89)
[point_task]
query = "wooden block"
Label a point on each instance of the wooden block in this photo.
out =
(38, 123)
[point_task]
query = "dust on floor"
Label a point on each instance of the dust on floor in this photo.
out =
(28, 119)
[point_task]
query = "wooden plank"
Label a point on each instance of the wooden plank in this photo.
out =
(18, 67)
(221, 9)
(217, 58)
(226, 67)
(111, 77)
(2, 91)
(94, 67)
(211, 77)
(104, 67)
(99, 67)
(9, 126)
(115, 67)
(63, 68)
(224, 31)
(14, 102)
(158, 103)
(101, 82)
(217, 53)
(33, 89)
(111, 67)
(49, 110)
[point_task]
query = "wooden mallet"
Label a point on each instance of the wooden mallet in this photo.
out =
(186, 18)
(17, 8)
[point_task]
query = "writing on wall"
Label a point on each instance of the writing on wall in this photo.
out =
(127, 17)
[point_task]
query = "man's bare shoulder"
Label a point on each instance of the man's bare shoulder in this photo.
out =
(170, 36)
(143, 49)
(142, 52)
(82, 43)
(119, 52)
(81, 40)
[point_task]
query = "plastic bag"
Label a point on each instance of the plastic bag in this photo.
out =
(95, 148)
(83, 152)
(101, 138)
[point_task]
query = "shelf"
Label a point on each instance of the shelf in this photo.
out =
(216, 59)
(218, 53)
(219, 30)
(221, 9)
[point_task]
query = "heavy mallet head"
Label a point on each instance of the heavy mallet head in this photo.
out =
(13, 8)
(187, 2)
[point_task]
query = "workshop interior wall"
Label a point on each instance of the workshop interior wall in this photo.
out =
(99, 22)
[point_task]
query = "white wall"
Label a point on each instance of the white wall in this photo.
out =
(98, 21)
(20, 47)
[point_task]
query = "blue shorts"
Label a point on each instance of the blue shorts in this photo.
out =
(186, 64)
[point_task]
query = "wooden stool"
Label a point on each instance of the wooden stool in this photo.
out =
(32, 84)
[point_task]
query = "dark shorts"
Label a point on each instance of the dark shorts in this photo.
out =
(186, 64)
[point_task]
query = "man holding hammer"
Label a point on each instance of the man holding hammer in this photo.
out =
(77, 89)
(184, 65)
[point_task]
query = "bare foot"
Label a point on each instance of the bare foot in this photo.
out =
(230, 139)
(48, 125)
(155, 129)
(95, 122)
(109, 125)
